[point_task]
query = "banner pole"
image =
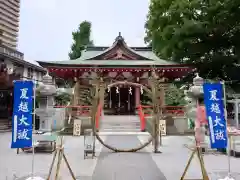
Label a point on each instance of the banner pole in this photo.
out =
(228, 143)
(33, 128)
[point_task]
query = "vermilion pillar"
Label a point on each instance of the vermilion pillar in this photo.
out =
(140, 111)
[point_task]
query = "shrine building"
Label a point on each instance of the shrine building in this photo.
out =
(118, 62)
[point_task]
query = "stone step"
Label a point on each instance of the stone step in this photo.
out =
(120, 130)
(120, 118)
(125, 133)
(120, 122)
(5, 125)
(122, 126)
(115, 124)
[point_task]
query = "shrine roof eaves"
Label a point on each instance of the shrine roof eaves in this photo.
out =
(71, 63)
(90, 54)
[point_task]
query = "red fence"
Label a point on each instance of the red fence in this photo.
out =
(143, 111)
(79, 110)
(84, 111)
(173, 110)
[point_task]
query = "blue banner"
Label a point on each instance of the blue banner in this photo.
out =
(22, 114)
(214, 103)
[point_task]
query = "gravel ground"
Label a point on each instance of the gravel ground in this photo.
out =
(175, 155)
(20, 164)
(126, 166)
(117, 166)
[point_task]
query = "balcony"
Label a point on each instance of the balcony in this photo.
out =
(8, 30)
(11, 6)
(4, 12)
(9, 10)
(11, 52)
(9, 20)
(9, 25)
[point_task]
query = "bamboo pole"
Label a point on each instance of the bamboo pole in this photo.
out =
(52, 164)
(202, 166)
(59, 156)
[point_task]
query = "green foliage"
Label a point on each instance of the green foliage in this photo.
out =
(146, 99)
(81, 39)
(174, 96)
(201, 32)
(62, 99)
(85, 97)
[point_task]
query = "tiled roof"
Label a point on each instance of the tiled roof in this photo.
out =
(92, 55)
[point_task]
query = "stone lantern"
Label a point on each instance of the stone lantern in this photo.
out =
(192, 97)
(197, 89)
(46, 110)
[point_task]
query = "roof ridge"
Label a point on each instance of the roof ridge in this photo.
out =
(102, 48)
(120, 40)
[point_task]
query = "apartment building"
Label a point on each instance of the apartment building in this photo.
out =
(9, 22)
(9, 26)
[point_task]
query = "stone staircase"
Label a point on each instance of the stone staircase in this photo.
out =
(4, 125)
(120, 123)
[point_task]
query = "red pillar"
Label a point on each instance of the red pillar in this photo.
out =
(140, 110)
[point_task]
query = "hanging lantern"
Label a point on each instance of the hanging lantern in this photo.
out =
(117, 90)
(141, 90)
(130, 90)
(109, 88)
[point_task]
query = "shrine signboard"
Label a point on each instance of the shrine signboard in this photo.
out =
(77, 127)
(162, 127)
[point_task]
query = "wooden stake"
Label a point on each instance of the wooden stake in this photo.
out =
(200, 158)
(59, 152)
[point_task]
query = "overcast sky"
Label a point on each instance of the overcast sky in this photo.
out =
(46, 25)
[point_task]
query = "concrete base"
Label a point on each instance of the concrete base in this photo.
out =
(35, 178)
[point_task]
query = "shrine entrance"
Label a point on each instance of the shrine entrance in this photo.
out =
(120, 101)
(99, 97)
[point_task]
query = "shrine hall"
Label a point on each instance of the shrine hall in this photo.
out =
(118, 62)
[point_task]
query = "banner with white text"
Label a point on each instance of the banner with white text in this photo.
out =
(22, 114)
(214, 103)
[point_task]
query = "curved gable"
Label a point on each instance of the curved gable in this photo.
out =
(119, 51)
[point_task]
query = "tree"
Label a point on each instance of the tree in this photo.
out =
(81, 39)
(174, 96)
(62, 99)
(200, 32)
